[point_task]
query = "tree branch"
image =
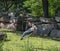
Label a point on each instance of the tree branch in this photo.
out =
(10, 5)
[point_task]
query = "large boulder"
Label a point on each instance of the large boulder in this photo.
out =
(57, 19)
(58, 25)
(55, 33)
(45, 29)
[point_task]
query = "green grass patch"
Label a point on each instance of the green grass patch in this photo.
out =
(30, 43)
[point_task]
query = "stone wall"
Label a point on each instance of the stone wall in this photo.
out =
(46, 27)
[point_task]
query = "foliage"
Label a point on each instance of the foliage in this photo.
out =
(35, 6)
(6, 5)
(53, 7)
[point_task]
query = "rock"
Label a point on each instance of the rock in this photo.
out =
(58, 25)
(3, 36)
(55, 33)
(57, 19)
(45, 29)
(46, 20)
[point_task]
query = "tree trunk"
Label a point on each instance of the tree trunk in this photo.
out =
(45, 8)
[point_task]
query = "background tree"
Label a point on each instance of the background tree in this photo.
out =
(12, 5)
(45, 8)
(53, 6)
(6, 4)
(34, 7)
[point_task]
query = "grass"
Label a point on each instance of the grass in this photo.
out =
(1, 44)
(13, 43)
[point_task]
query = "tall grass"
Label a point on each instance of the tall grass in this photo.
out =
(1, 44)
(53, 48)
(28, 46)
